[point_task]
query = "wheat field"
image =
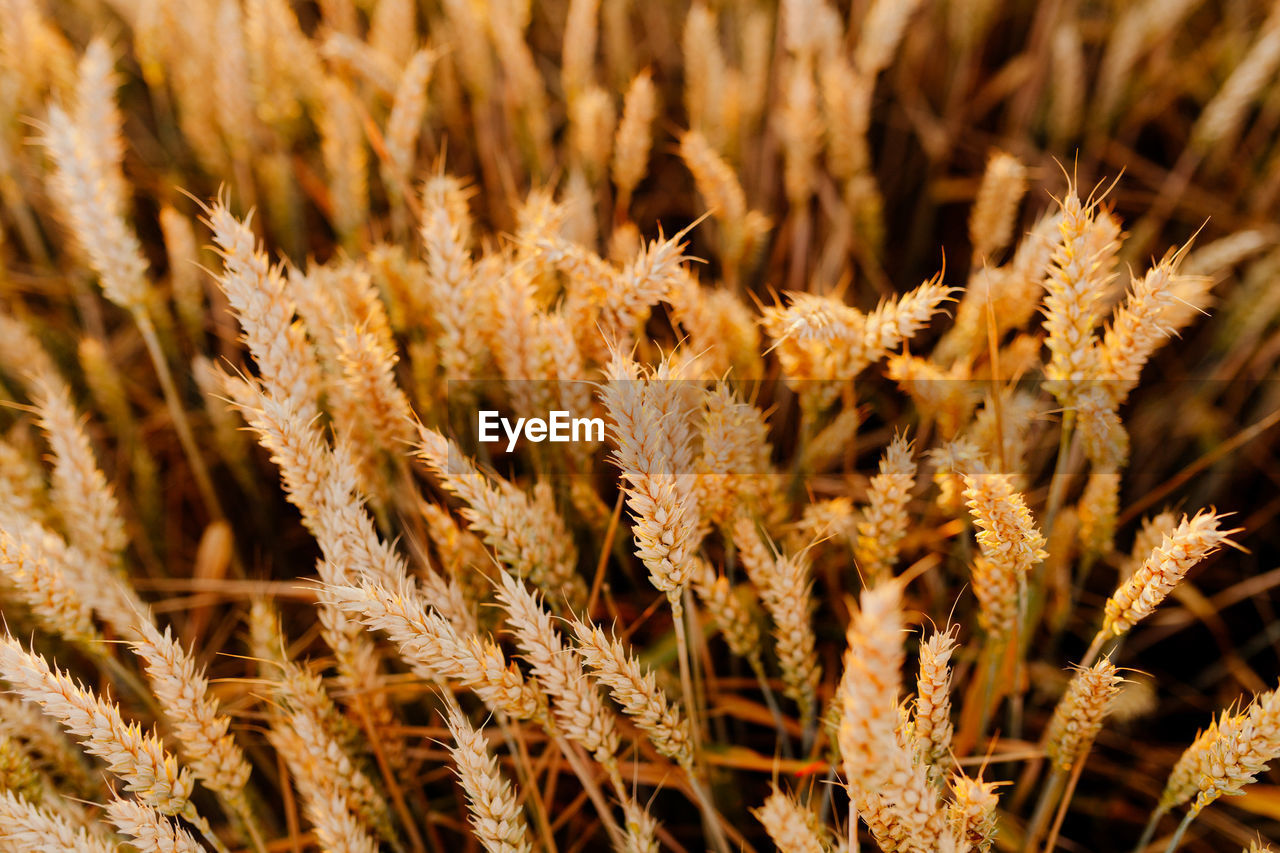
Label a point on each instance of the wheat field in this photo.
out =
(912, 366)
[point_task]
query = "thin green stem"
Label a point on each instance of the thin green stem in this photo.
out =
(710, 817)
(1044, 807)
(524, 775)
(1179, 832)
(771, 701)
(686, 671)
(240, 811)
(1091, 654)
(995, 657)
(204, 484)
(1149, 831)
(197, 820)
(1058, 486)
(1065, 804)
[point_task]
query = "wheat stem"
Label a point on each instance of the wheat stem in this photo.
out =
(1095, 647)
(709, 815)
(1063, 806)
(1044, 808)
(1058, 485)
(525, 775)
(199, 822)
(771, 702)
(242, 814)
(1179, 832)
(1149, 831)
(181, 425)
(995, 653)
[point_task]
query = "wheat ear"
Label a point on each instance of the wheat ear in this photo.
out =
(46, 745)
(150, 831)
(579, 712)
(85, 500)
(433, 649)
(636, 692)
(634, 137)
(995, 208)
(52, 598)
(137, 758)
(884, 520)
(328, 807)
(527, 535)
(932, 717)
(1190, 542)
(496, 816)
(28, 827)
(891, 789)
(201, 730)
(793, 828)
(1240, 750)
(971, 813)
(1078, 717)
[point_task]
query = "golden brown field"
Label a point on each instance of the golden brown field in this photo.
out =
(932, 346)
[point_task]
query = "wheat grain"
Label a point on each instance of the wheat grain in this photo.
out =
(45, 745)
(1007, 533)
(52, 598)
(405, 121)
(1077, 281)
(729, 611)
(901, 805)
(641, 829)
(579, 713)
(86, 149)
(17, 773)
(329, 810)
(86, 502)
(1099, 505)
(653, 452)
(431, 646)
(1138, 327)
(527, 536)
(971, 813)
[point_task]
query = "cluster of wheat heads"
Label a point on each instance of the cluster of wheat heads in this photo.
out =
(877, 547)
